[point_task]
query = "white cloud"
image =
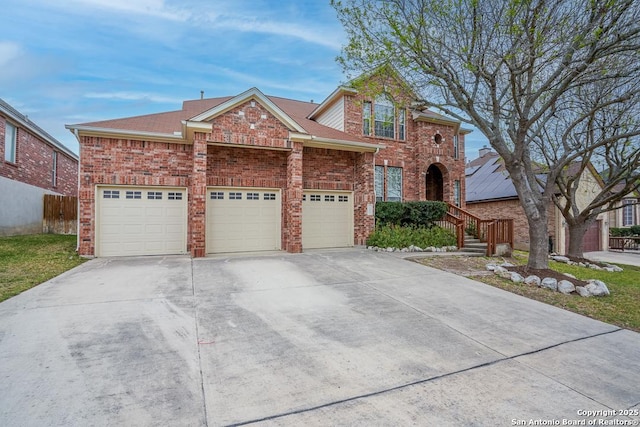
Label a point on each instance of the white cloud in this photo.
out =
(132, 96)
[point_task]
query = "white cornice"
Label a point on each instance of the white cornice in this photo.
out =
(255, 94)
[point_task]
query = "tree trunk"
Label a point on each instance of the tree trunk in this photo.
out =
(576, 234)
(538, 243)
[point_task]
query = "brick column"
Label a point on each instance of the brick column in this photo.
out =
(364, 198)
(292, 236)
(197, 197)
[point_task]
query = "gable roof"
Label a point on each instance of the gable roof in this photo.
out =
(10, 112)
(169, 125)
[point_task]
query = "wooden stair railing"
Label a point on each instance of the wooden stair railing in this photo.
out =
(491, 231)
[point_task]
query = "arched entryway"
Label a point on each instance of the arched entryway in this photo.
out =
(434, 183)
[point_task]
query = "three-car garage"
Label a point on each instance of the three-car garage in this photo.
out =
(133, 220)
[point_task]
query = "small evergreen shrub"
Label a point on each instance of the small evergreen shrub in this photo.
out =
(634, 230)
(396, 236)
(416, 214)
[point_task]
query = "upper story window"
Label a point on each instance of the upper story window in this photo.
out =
(382, 119)
(456, 147)
(628, 212)
(10, 133)
(366, 118)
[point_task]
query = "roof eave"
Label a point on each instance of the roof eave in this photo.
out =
(329, 100)
(335, 144)
(125, 133)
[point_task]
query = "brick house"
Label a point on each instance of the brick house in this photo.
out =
(253, 172)
(491, 194)
(33, 164)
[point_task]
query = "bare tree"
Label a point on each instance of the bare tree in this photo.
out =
(597, 130)
(504, 63)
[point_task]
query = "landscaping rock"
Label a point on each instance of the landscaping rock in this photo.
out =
(506, 264)
(566, 287)
(617, 269)
(497, 269)
(597, 288)
(549, 282)
(560, 258)
(595, 267)
(491, 267)
(570, 275)
(582, 291)
(503, 249)
(516, 277)
(532, 280)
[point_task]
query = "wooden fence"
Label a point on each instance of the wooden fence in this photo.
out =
(60, 214)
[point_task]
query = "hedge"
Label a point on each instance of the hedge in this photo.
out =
(634, 230)
(418, 214)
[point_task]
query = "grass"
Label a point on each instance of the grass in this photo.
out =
(621, 308)
(27, 261)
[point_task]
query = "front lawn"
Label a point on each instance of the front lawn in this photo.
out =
(621, 308)
(27, 261)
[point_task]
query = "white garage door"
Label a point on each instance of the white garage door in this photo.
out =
(141, 221)
(327, 219)
(243, 219)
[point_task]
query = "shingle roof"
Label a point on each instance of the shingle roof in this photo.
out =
(24, 121)
(170, 122)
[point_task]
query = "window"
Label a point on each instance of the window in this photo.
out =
(379, 183)
(343, 198)
(235, 196)
(628, 211)
(133, 195)
(174, 196)
(154, 195)
(394, 184)
(366, 118)
(401, 123)
(10, 142)
(54, 169)
(456, 147)
(456, 192)
(316, 198)
(384, 117)
(253, 196)
(217, 195)
(270, 196)
(111, 194)
(329, 198)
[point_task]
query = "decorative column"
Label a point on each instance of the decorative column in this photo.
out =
(364, 198)
(292, 236)
(197, 197)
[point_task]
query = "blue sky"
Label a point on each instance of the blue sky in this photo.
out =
(76, 61)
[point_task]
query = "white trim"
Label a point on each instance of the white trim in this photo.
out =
(253, 93)
(336, 144)
(331, 99)
(124, 132)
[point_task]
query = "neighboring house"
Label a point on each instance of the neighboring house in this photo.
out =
(33, 164)
(628, 212)
(491, 194)
(252, 172)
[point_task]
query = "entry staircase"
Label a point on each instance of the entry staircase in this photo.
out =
(476, 235)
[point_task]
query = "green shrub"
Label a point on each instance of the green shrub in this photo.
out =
(396, 236)
(634, 230)
(418, 214)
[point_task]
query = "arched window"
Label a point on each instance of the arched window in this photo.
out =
(384, 117)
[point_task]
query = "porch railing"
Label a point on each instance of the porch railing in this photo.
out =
(492, 231)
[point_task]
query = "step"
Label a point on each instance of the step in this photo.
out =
(475, 245)
(479, 251)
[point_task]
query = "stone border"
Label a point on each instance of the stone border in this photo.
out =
(413, 248)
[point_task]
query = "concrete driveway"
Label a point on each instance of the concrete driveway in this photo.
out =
(345, 337)
(626, 257)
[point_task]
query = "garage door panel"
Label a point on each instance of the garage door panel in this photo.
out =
(327, 219)
(135, 224)
(240, 219)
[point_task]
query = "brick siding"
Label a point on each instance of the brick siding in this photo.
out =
(34, 163)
